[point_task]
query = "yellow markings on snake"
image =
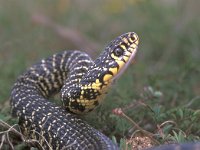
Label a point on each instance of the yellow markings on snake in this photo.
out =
(97, 81)
(114, 57)
(126, 58)
(82, 92)
(131, 39)
(107, 77)
(81, 97)
(85, 102)
(72, 100)
(123, 46)
(137, 42)
(133, 46)
(96, 85)
(126, 41)
(86, 87)
(120, 63)
(113, 70)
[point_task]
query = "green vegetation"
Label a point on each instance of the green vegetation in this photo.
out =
(160, 91)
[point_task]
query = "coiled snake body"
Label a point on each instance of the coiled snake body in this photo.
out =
(82, 81)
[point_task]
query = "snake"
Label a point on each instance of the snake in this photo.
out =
(82, 83)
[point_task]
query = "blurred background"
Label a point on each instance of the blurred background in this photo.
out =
(162, 83)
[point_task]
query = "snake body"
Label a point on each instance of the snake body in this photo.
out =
(83, 83)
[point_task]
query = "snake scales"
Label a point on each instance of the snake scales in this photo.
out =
(83, 83)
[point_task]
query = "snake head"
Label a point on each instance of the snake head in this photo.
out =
(121, 51)
(114, 59)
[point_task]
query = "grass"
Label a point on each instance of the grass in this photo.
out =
(160, 91)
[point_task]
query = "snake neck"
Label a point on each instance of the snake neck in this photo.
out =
(88, 90)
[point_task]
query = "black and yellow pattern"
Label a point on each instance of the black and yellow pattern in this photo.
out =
(83, 93)
(82, 81)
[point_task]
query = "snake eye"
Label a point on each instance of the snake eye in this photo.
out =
(118, 52)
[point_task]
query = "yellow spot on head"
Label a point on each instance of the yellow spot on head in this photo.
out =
(126, 41)
(126, 58)
(131, 40)
(120, 63)
(137, 42)
(114, 57)
(133, 46)
(123, 46)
